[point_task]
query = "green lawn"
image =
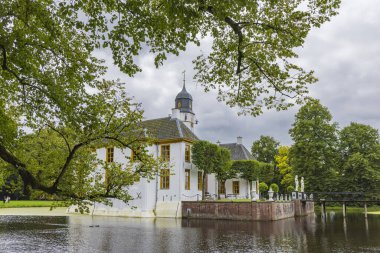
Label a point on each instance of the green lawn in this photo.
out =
(31, 203)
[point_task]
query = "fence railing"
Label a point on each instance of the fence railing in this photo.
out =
(338, 196)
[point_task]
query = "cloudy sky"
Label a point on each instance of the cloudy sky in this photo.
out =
(345, 54)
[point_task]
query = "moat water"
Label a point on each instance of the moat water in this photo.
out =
(109, 234)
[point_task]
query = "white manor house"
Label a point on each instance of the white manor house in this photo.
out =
(162, 196)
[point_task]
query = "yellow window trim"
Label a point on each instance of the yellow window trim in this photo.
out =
(187, 179)
(110, 154)
(165, 179)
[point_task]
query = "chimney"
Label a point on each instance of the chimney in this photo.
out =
(175, 113)
(239, 140)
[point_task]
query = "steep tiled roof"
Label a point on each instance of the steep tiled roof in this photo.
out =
(238, 151)
(167, 128)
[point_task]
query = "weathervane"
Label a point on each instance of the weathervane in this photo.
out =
(184, 77)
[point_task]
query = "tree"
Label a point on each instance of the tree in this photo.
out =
(46, 155)
(360, 159)
(222, 169)
(266, 172)
(265, 149)
(284, 168)
(250, 64)
(10, 182)
(49, 78)
(205, 157)
(314, 153)
(358, 138)
(360, 175)
(51, 86)
(252, 170)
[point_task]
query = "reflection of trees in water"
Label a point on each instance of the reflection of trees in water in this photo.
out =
(306, 234)
(284, 227)
(269, 235)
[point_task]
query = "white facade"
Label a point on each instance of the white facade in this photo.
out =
(150, 200)
(243, 191)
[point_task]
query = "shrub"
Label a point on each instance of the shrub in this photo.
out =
(290, 188)
(274, 187)
(263, 187)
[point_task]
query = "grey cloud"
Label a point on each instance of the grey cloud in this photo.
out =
(345, 54)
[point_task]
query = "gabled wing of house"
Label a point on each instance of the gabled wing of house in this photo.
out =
(238, 151)
(169, 130)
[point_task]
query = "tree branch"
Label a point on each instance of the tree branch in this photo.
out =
(269, 79)
(61, 134)
(236, 27)
(25, 175)
(5, 67)
(64, 168)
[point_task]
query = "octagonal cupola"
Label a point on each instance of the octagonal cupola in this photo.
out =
(183, 109)
(184, 101)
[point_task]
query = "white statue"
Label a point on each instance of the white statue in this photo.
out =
(296, 182)
(302, 185)
(254, 191)
(258, 188)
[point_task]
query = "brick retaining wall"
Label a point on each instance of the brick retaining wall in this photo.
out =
(257, 211)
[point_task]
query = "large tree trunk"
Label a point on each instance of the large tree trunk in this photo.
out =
(21, 168)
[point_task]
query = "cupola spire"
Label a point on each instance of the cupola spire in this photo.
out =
(184, 80)
(183, 108)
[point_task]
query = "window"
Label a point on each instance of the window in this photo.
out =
(133, 156)
(179, 105)
(222, 189)
(187, 153)
(165, 153)
(200, 182)
(109, 159)
(165, 179)
(235, 187)
(187, 179)
(109, 155)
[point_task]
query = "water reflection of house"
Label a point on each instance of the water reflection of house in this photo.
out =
(174, 137)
